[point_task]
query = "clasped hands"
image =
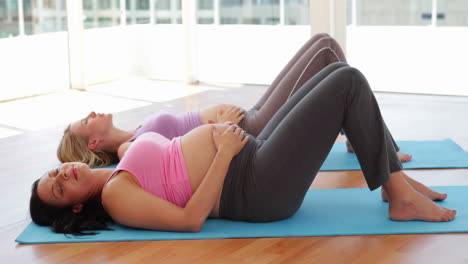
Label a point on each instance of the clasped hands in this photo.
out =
(229, 138)
(229, 113)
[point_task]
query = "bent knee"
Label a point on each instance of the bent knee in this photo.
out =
(331, 47)
(335, 66)
(321, 35)
(353, 76)
(351, 72)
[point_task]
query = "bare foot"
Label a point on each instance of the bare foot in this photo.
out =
(430, 194)
(418, 207)
(422, 189)
(402, 156)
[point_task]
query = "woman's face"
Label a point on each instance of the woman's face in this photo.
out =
(70, 184)
(94, 126)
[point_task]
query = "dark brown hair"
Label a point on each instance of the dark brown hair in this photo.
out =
(63, 220)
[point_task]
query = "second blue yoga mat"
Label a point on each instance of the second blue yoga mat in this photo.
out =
(426, 155)
(331, 212)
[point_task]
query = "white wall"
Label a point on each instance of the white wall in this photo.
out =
(106, 54)
(247, 54)
(428, 60)
(33, 65)
(227, 54)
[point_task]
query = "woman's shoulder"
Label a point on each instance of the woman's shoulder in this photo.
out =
(122, 149)
(115, 194)
(119, 183)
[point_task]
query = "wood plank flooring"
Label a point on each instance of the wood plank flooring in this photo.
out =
(25, 157)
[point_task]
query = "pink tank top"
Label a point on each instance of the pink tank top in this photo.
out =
(159, 165)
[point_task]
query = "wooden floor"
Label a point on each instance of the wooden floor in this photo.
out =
(25, 157)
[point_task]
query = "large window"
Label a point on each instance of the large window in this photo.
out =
(296, 12)
(138, 11)
(101, 13)
(452, 13)
(37, 16)
(393, 13)
(409, 12)
(9, 25)
(253, 12)
(257, 12)
(42, 16)
(168, 11)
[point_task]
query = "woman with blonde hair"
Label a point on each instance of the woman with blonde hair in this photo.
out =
(95, 141)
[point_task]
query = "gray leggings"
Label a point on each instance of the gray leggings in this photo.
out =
(318, 52)
(269, 178)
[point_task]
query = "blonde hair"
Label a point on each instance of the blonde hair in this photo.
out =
(74, 148)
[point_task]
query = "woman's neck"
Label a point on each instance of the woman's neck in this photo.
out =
(101, 176)
(116, 138)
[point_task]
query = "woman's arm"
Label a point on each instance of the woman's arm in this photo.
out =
(128, 204)
(138, 208)
(222, 113)
(208, 192)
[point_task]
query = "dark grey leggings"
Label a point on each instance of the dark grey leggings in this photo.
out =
(269, 178)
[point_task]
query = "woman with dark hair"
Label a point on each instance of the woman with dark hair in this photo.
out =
(95, 140)
(219, 171)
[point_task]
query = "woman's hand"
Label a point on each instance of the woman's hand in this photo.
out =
(229, 113)
(231, 141)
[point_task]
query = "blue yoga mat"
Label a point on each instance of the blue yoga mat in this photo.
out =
(330, 212)
(426, 155)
